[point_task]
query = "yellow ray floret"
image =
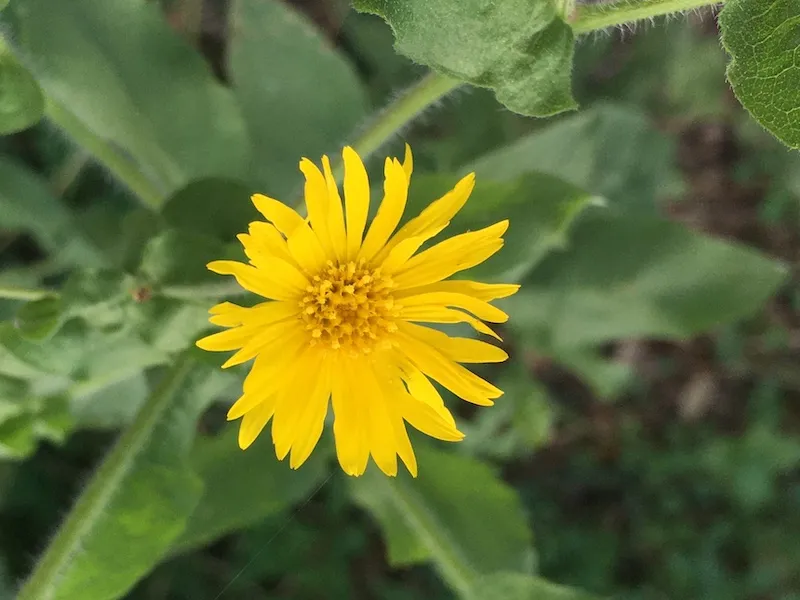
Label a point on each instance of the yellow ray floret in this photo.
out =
(343, 324)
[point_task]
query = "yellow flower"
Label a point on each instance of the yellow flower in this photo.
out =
(340, 318)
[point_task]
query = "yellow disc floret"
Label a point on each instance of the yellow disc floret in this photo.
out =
(349, 306)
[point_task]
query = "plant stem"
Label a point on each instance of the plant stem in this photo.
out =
(593, 17)
(124, 169)
(397, 115)
(12, 293)
(403, 110)
(43, 582)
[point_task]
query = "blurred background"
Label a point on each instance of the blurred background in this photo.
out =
(665, 463)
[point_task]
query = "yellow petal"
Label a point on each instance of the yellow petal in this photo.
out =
(395, 195)
(380, 432)
(281, 282)
(462, 350)
(463, 383)
(356, 197)
(482, 291)
(312, 420)
(253, 423)
(479, 308)
(408, 163)
(437, 214)
(402, 252)
(316, 195)
(349, 426)
(279, 338)
(438, 314)
(267, 238)
(423, 390)
(335, 212)
(294, 399)
(306, 250)
(424, 418)
(450, 256)
(284, 218)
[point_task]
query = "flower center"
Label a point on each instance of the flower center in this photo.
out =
(349, 306)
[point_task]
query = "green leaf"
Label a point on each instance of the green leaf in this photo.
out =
(40, 319)
(170, 325)
(3, 4)
(762, 37)
(128, 78)
(28, 205)
(17, 437)
(220, 208)
(608, 150)
(540, 209)
(180, 257)
(109, 405)
(515, 586)
(299, 96)
(526, 60)
(21, 100)
(129, 519)
(629, 276)
(244, 487)
(518, 425)
(101, 297)
(467, 520)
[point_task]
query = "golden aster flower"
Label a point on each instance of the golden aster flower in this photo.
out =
(340, 320)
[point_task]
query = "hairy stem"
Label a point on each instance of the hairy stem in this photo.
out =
(43, 582)
(13, 293)
(593, 17)
(429, 90)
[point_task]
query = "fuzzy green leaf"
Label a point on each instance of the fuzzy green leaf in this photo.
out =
(526, 60)
(607, 150)
(763, 39)
(215, 207)
(299, 96)
(244, 487)
(27, 204)
(128, 78)
(39, 319)
(514, 586)
(21, 99)
(457, 513)
(628, 276)
(144, 505)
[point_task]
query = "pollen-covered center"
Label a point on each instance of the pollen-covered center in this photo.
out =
(349, 306)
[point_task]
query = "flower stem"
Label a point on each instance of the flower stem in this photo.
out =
(124, 169)
(397, 115)
(12, 293)
(89, 508)
(403, 110)
(592, 17)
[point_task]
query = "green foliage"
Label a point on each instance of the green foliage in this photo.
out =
(527, 61)
(608, 150)
(243, 487)
(280, 61)
(627, 276)
(190, 128)
(457, 513)
(685, 486)
(762, 39)
(29, 206)
(21, 100)
(515, 586)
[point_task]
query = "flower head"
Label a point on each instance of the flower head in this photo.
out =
(341, 320)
